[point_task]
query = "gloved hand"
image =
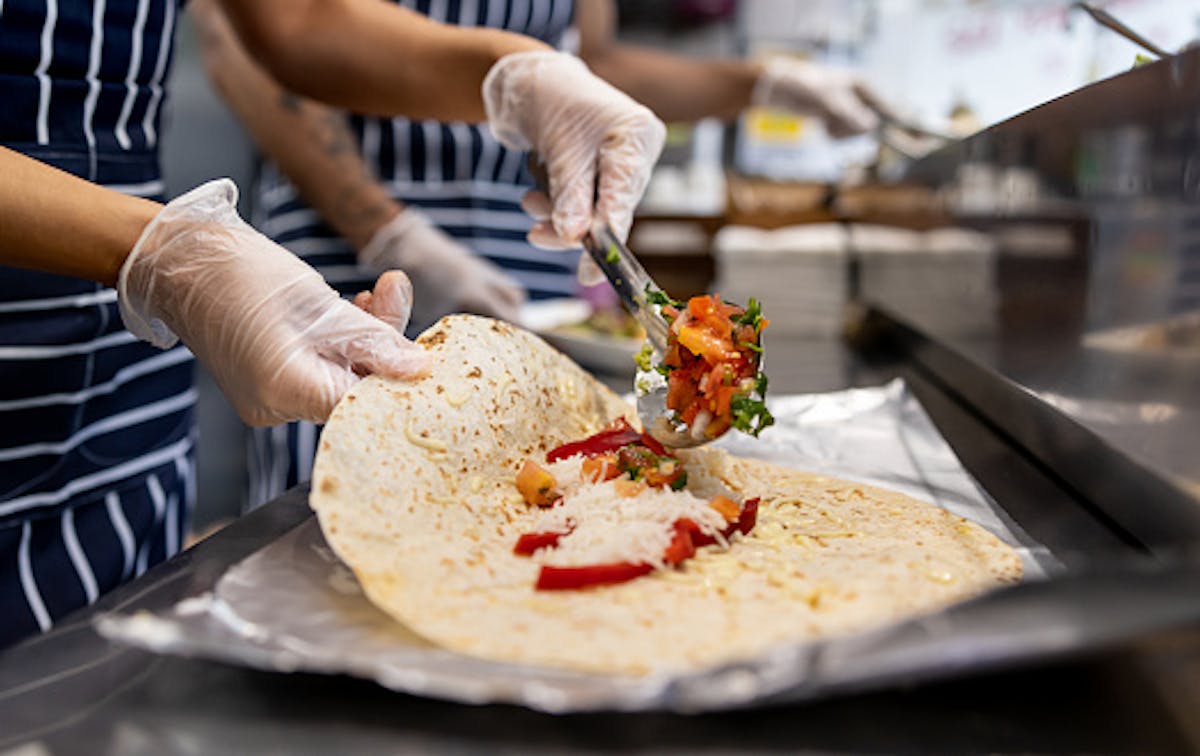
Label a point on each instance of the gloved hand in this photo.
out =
(447, 277)
(281, 344)
(839, 98)
(598, 144)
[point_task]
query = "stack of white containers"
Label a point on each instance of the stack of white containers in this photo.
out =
(943, 280)
(799, 273)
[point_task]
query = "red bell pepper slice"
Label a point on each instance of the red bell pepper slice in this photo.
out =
(531, 542)
(571, 578)
(611, 438)
(619, 434)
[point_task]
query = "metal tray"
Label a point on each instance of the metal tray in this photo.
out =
(293, 606)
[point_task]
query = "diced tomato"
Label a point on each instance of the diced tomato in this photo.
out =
(627, 489)
(749, 516)
(681, 547)
(600, 468)
(728, 508)
(531, 542)
(713, 358)
(714, 313)
(668, 472)
(537, 485)
(703, 341)
(570, 578)
(681, 390)
(724, 398)
(716, 427)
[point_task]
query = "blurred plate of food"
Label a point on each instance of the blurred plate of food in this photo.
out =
(1175, 339)
(604, 340)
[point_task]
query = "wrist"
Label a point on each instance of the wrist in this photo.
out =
(386, 246)
(136, 216)
(164, 245)
(361, 235)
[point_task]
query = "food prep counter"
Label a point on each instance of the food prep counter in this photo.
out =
(71, 691)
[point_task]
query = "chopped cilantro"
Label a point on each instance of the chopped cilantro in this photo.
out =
(680, 482)
(751, 346)
(760, 385)
(660, 298)
(612, 256)
(642, 358)
(750, 415)
(753, 315)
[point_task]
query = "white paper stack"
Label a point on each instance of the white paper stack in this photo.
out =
(942, 280)
(799, 273)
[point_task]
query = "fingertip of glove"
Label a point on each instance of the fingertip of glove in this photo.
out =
(544, 236)
(400, 361)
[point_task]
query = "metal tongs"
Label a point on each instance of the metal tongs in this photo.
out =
(633, 284)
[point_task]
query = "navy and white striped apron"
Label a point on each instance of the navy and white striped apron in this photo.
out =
(466, 182)
(96, 428)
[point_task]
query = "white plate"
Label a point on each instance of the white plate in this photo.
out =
(553, 320)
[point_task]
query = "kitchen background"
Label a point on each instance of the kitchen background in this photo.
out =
(950, 65)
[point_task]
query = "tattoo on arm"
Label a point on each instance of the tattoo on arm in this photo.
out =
(355, 203)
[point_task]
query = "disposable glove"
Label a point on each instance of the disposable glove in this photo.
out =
(281, 344)
(446, 276)
(598, 144)
(839, 98)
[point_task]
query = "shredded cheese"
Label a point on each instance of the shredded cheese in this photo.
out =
(605, 528)
(457, 401)
(425, 443)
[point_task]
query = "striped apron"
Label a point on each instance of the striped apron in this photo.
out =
(96, 428)
(463, 179)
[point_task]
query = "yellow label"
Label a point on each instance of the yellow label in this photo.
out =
(768, 125)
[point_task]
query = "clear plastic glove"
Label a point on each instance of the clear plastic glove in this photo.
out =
(446, 276)
(598, 144)
(839, 98)
(281, 344)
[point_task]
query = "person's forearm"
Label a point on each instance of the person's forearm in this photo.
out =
(372, 56)
(676, 88)
(310, 143)
(56, 223)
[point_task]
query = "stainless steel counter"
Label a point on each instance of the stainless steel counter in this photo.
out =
(1092, 202)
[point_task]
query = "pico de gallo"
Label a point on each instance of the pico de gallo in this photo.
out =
(712, 366)
(635, 462)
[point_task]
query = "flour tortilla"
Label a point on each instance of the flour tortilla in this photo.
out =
(414, 488)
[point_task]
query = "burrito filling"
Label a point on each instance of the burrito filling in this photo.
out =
(616, 508)
(712, 367)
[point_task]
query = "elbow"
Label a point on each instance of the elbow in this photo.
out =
(275, 50)
(277, 41)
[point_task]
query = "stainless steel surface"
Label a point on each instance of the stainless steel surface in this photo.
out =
(1094, 203)
(72, 692)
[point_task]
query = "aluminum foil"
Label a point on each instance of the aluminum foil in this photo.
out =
(293, 606)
